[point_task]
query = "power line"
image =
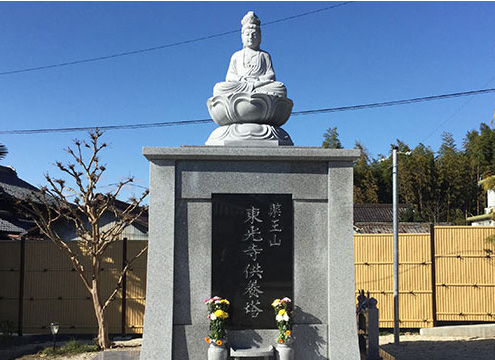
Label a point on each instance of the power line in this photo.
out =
(107, 57)
(160, 47)
(395, 102)
(455, 112)
(107, 127)
(295, 113)
(307, 13)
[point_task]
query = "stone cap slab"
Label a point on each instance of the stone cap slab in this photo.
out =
(239, 153)
(117, 355)
(251, 352)
(480, 330)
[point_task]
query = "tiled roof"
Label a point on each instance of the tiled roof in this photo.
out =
(376, 212)
(378, 219)
(10, 225)
(11, 189)
(12, 186)
(142, 220)
(388, 227)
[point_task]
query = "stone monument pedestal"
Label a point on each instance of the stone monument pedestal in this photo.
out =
(183, 182)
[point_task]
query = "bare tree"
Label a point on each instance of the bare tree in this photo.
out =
(51, 207)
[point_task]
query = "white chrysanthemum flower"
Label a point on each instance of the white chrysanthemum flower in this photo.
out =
(285, 317)
(279, 318)
(213, 316)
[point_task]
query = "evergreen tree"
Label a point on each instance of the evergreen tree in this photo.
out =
(453, 180)
(418, 183)
(479, 149)
(331, 139)
(442, 188)
(365, 183)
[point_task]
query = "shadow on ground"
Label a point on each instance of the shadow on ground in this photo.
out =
(18, 346)
(473, 349)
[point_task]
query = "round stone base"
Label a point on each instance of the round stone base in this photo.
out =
(249, 135)
(251, 108)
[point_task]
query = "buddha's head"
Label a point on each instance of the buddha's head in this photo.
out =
(251, 31)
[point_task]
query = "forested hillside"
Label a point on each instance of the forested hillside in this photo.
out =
(442, 186)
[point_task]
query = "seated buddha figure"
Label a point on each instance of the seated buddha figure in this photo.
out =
(250, 69)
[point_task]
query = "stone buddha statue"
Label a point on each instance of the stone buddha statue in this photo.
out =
(250, 105)
(250, 69)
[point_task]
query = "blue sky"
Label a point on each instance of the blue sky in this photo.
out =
(363, 52)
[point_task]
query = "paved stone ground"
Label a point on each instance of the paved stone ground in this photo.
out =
(126, 349)
(415, 347)
(118, 355)
(411, 347)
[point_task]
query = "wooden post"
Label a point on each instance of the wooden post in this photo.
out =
(124, 285)
(433, 275)
(395, 201)
(21, 286)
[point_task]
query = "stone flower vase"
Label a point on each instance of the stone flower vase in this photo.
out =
(285, 352)
(217, 352)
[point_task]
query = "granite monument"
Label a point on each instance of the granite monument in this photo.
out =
(248, 218)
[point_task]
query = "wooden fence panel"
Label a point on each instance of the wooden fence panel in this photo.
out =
(465, 276)
(135, 316)
(374, 273)
(10, 260)
(465, 281)
(54, 292)
(76, 316)
(136, 288)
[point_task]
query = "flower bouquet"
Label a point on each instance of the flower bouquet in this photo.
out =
(283, 313)
(217, 314)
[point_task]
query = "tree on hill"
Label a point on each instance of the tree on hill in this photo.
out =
(52, 207)
(442, 186)
(365, 184)
(453, 181)
(418, 183)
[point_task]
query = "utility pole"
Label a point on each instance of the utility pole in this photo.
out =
(396, 244)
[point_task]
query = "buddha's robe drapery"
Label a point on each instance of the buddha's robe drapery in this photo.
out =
(250, 71)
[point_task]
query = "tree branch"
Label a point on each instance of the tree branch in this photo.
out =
(121, 278)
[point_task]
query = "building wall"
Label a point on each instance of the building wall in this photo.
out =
(68, 233)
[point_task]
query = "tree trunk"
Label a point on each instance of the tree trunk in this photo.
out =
(103, 340)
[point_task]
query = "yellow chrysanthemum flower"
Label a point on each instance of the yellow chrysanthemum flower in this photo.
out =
(221, 314)
(276, 302)
(282, 312)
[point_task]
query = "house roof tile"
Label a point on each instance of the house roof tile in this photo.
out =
(376, 212)
(388, 227)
